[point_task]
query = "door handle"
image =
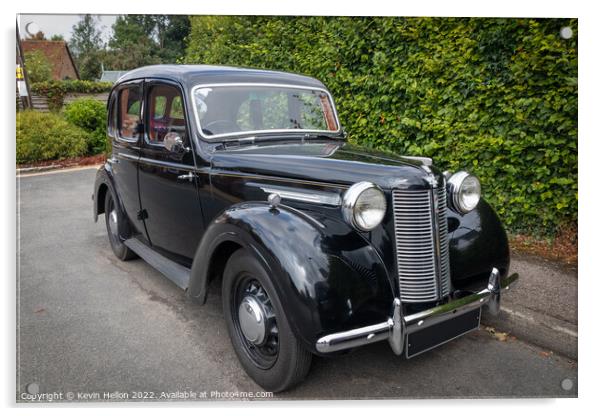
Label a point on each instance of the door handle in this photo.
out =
(190, 176)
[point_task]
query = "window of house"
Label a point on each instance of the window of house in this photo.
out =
(166, 113)
(129, 111)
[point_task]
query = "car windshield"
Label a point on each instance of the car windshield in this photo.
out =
(246, 109)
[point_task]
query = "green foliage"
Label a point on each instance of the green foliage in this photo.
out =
(495, 96)
(140, 40)
(37, 66)
(87, 46)
(90, 115)
(55, 91)
(47, 136)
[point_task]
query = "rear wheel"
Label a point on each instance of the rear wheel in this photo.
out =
(260, 333)
(115, 221)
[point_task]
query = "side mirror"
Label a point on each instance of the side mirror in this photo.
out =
(174, 143)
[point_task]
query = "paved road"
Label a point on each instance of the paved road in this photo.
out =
(89, 323)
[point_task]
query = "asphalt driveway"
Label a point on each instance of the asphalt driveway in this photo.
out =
(91, 327)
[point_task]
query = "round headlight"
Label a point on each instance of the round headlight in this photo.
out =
(465, 192)
(364, 206)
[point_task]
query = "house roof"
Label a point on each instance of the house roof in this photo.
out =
(58, 55)
(111, 76)
(190, 75)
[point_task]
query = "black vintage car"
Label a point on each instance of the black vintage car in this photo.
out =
(245, 175)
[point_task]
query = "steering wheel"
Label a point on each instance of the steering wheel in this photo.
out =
(227, 126)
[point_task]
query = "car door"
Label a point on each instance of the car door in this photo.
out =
(126, 107)
(167, 179)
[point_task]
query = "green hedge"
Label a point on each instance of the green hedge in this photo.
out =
(55, 91)
(90, 115)
(47, 136)
(495, 96)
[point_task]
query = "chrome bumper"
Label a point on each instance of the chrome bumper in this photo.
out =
(397, 327)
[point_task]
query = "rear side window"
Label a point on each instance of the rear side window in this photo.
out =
(165, 113)
(129, 111)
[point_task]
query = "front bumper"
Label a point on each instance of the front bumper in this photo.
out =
(398, 327)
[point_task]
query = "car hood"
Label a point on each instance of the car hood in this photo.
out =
(328, 162)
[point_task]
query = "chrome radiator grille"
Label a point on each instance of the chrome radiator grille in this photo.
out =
(421, 243)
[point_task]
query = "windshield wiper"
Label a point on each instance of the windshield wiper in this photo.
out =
(324, 136)
(288, 136)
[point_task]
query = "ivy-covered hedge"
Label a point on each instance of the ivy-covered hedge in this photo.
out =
(495, 96)
(55, 91)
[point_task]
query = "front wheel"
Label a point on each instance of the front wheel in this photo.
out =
(114, 219)
(259, 330)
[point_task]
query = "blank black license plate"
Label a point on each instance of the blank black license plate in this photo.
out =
(435, 335)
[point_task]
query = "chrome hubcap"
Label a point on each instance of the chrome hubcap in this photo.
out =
(252, 320)
(113, 223)
(255, 322)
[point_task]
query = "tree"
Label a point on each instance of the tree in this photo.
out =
(140, 40)
(57, 38)
(87, 45)
(131, 44)
(38, 67)
(171, 34)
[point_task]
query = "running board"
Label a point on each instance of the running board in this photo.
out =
(175, 272)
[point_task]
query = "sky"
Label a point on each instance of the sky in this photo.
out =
(61, 24)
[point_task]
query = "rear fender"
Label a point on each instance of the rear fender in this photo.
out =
(103, 184)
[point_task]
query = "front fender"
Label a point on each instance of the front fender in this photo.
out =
(478, 242)
(328, 277)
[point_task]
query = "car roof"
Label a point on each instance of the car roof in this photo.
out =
(190, 75)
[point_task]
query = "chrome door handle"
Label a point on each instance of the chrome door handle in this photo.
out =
(190, 176)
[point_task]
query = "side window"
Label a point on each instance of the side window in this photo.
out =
(129, 111)
(165, 113)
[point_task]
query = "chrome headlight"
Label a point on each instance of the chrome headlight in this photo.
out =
(364, 206)
(464, 191)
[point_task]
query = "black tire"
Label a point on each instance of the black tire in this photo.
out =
(115, 230)
(244, 276)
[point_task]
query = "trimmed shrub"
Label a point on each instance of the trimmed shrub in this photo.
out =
(47, 136)
(495, 96)
(90, 115)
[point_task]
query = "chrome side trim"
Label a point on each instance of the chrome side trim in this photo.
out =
(397, 327)
(295, 194)
(156, 162)
(252, 132)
